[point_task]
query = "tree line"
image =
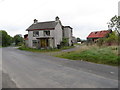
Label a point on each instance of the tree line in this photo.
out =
(7, 40)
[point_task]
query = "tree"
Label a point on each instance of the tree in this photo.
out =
(78, 39)
(64, 42)
(110, 40)
(113, 24)
(113, 38)
(18, 39)
(5, 38)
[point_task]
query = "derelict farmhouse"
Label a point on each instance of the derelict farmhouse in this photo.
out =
(48, 34)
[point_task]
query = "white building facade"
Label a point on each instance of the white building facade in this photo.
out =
(48, 34)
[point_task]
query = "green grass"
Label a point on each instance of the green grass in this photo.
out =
(44, 50)
(37, 50)
(67, 47)
(103, 55)
(77, 44)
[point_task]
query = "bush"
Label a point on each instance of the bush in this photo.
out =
(112, 39)
(64, 42)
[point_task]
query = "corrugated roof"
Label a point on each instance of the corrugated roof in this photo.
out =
(43, 25)
(98, 34)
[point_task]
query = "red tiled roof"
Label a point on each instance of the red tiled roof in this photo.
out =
(98, 34)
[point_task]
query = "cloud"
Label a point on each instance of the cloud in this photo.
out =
(2, 0)
(83, 15)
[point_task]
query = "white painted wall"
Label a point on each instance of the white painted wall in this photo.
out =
(41, 34)
(30, 39)
(58, 34)
(68, 34)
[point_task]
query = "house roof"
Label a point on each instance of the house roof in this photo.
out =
(49, 25)
(98, 34)
(67, 27)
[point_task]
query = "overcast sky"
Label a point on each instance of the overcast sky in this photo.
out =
(84, 16)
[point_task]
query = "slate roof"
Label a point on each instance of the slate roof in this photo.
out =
(43, 26)
(99, 34)
(67, 27)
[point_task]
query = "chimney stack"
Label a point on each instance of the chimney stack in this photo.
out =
(57, 18)
(35, 21)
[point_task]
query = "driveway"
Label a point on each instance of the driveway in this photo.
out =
(39, 70)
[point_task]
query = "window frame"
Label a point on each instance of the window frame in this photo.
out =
(34, 43)
(46, 33)
(35, 33)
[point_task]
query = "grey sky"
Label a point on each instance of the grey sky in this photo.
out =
(83, 15)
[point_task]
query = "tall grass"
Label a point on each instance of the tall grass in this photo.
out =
(103, 55)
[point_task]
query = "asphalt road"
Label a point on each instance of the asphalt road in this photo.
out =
(37, 70)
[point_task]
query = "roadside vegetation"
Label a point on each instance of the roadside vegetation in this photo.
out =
(44, 50)
(111, 40)
(100, 55)
(18, 40)
(7, 40)
(37, 50)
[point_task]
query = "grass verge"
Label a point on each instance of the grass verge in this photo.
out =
(103, 55)
(44, 50)
(37, 50)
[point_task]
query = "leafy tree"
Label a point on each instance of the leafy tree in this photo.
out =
(113, 22)
(5, 38)
(78, 40)
(18, 39)
(113, 38)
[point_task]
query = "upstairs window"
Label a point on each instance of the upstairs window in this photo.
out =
(46, 33)
(35, 33)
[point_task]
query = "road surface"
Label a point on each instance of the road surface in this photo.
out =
(38, 70)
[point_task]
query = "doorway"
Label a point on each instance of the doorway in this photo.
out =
(44, 43)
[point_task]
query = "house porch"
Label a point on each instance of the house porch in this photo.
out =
(45, 42)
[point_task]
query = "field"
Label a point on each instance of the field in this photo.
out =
(101, 55)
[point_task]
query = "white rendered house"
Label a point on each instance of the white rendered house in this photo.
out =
(48, 34)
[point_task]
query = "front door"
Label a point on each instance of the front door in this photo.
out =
(44, 43)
